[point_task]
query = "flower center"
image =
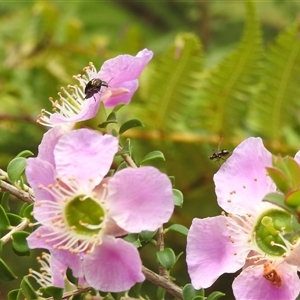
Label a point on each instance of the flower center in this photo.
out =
(272, 231)
(84, 215)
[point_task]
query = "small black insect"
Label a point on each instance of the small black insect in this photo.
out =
(219, 155)
(93, 87)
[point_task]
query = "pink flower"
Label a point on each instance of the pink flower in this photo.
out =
(121, 75)
(255, 235)
(82, 214)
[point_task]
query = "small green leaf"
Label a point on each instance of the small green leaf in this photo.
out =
(112, 118)
(215, 295)
(27, 290)
(14, 219)
(178, 228)
(16, 168)
(25, 154)
(5, 200)
(277, 199)
(6, 274)
(118, 107)
(293, 171)
(153, 156)
(189, 293)
(53, 291)
(147, 235)
(28, 212)
(122, 166)
(281, 180)
(14, 294)
(178, 197)
(19, 242)
(292, 199)
(167, 258)
(4, 221)
(133, 239)
(130, 124)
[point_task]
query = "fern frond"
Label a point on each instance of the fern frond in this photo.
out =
(172, 84)
(222, 102)
(276, 107)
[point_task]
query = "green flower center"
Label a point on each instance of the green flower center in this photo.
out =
(84, 215)
(273, 232)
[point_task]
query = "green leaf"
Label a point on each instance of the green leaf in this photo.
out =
(178, 197)
(292, 199)
(15, 295)
(130, 124)
(133, 239)
(112, 118)
(166, 258)
(27, 290)
(6, 274)
(4, 221)
(25, 153)
(152, 156)
(280, 179)
(53, 291)
(14, 219)
(5, 201)
(28, 212)
(16, 168)
(189, 293)
(147, 235)
(178, 228)
(118, 107)
(19, 242)
(277, 199)
(215, 295)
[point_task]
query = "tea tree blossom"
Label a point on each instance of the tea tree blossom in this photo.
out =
(255, 235)
(121, 75)
(82, 214)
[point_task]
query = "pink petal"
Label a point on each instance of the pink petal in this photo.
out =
(210, 252)
(251, 284)
(49, 142)
(39, 172)
(124, 67)
(124, 98)
(58, 271)
(86, 155)
(242, 180)
(140, 199)
(88, 112)
(114, 266)
(40, 239)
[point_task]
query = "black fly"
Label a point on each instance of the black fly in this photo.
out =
(93, 87)
(220, 154)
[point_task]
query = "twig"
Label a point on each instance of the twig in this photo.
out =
(160, 247)
(67, 295)
(19, 227)
(165, 283)
(7, 186)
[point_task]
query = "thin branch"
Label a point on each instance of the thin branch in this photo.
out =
(129, 161)
(163, 282)
(11, 189)
(160, 247)
(19, 227)
(67, 295)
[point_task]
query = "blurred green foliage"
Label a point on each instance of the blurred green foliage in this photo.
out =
(221, 70)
